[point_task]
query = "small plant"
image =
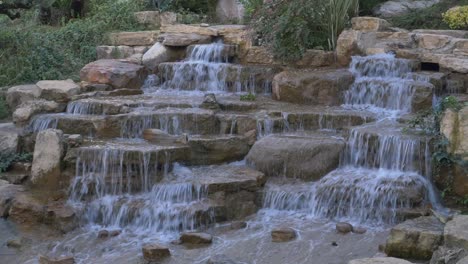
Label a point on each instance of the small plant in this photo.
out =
(4, 111)
(457, 17)
(6, 160)
(248, 97)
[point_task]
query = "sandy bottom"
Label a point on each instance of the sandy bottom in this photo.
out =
(317, 243)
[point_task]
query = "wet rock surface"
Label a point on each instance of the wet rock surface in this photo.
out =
(283, 234)
(196, 238)
(456, 232)
(155, 252)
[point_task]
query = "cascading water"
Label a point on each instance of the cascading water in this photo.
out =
(208, 68)
(382, 172)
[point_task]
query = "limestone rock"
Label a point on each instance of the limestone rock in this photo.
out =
(115, 73)
(189, 29)
(456, 64)
(25, 210)
(138, 38)
(58, 91)
(347, 46)
(151, 19)
(183, 39)
(259, 55)
(415, 239)
(454, 126)
(343, 227)
(379, 261)
(59, 260)
(48, 153)
(155, 252)
(456, 232)
(398, 7)
(316, 58)
(161, 137)
(114, 52)
(195, 238)
(369, 24)
(26, 110)
(7, 193)
(210, 102)
(9, 139)
(19, 94)
(312, 87)
(283, 234)
(168, 18)
(308, 158)
(159, 53)
(215, 150)
(432, 41)
(445, 255)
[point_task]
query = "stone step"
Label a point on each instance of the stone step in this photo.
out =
(388, 145)
(137, 38)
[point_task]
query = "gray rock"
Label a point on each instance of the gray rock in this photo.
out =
(19, 94)
(196, 238)
(8, 139)
(456, 232)
(59, 91)
(155, 252)
(283, 234)
(343, 227)
(445, 255)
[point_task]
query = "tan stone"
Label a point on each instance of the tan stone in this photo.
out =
(454, 126)
(189, 29)
(369, 24)
(456, 232)
(316, 58)
(415, 239)
(138, 38)
(48, 153)
(456, 64)
(19, 94)
(114, 52)
(9, 138)
(148, 18)
(283, 234)
(26, 110)
(155, 252)
(168, 18)
(347, 46)
(196, 238)
(158, 54)
(431, 42)
(324, 87)
(59, 91)
(259, 55)
(115, 73)
(183, 39)
(59, 260)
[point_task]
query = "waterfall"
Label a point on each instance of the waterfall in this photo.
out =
(382, 171)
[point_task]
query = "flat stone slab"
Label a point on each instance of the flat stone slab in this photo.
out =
(306, 157)
(114, 73)
(138, 38)
(415, 239)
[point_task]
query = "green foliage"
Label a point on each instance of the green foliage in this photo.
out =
(6, 160)
(248, 97)
(4, 111)
(366, 6)
(31, 52)
(428, 18)
(457, 18)
(251, 6)
(197, 6)
(290, 27)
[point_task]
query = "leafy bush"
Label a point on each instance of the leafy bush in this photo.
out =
(290, 27)
(248, 97)
(250, 6)
(366, 6)
(457, 17)
(31, 52)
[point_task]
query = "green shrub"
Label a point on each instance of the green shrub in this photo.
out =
(248, 97)
(31, 52)
(290, 27)
(366, 6)
(457, 17)
(4, 111)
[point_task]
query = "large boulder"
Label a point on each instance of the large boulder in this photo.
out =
(19, 94)
(379, 261)
(158, 54)
(115, 73)
(369, 24)
(183, 40)
(213, 150)
(454, 126)
(7, 193)
(415, 239)
(312, 87)
(308, 157)
(456, 232)
(48, 153)
(9, 139)
(347, 45)
(59, 91)
(138, 38)
(26, 110)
